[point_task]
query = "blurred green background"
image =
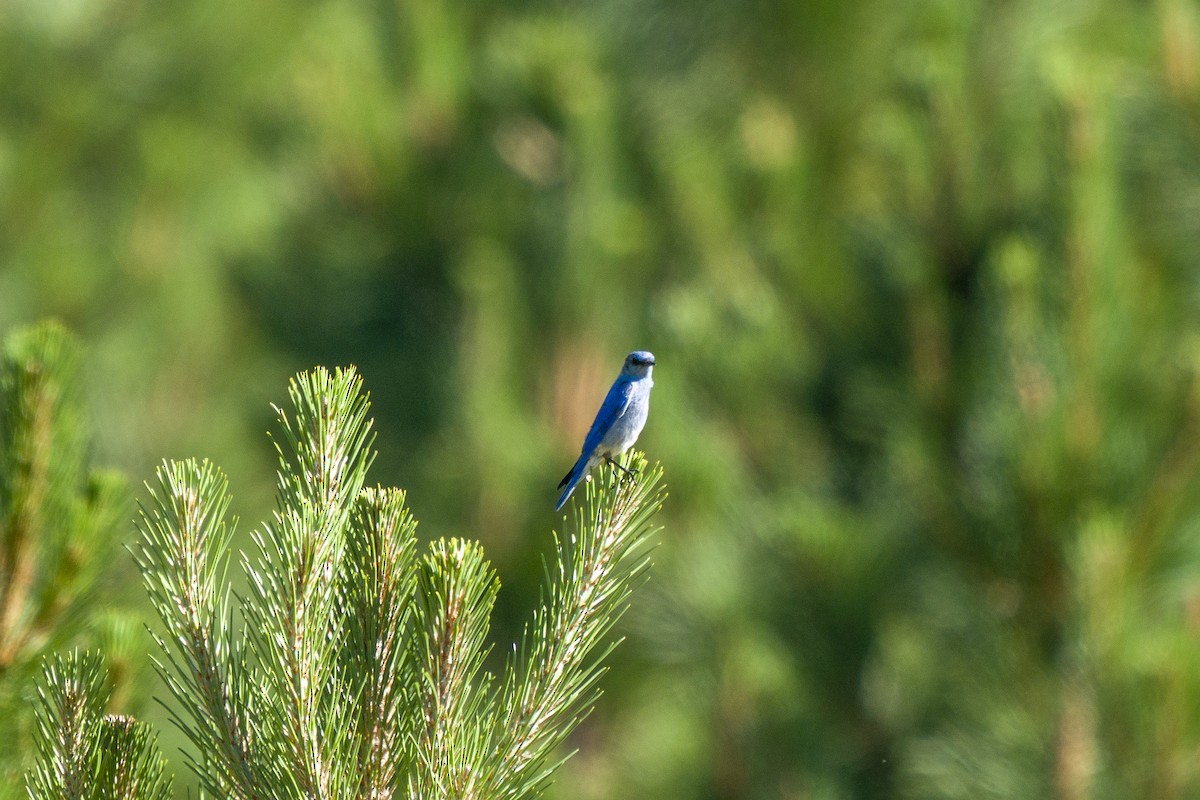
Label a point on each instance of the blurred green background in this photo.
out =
(921, 276)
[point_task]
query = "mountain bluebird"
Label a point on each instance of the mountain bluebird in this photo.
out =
(618, 422)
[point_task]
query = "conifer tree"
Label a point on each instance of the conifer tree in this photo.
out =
(353, 666)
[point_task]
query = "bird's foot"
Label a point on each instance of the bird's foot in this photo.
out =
(630, 474)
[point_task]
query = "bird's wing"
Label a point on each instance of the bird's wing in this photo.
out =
(614, 405)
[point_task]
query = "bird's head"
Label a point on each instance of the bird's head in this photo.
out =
(638, 364)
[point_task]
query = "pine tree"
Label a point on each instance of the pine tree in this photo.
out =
(353, 666)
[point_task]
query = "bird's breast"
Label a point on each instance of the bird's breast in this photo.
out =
(625, 429)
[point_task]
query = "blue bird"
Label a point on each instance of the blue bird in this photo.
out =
(618, 422)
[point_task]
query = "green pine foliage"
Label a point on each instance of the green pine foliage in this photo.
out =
(352, 666)
(921, 278)
(86, 754)
(60, 522)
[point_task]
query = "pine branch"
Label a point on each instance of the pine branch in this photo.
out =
(183, 557)
(72, 698)
(41, 463)
(130, 765)
(455, 598)
(294, 626)
(553, 682)
(378, 582)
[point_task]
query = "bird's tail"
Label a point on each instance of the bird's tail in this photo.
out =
(573, 476)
